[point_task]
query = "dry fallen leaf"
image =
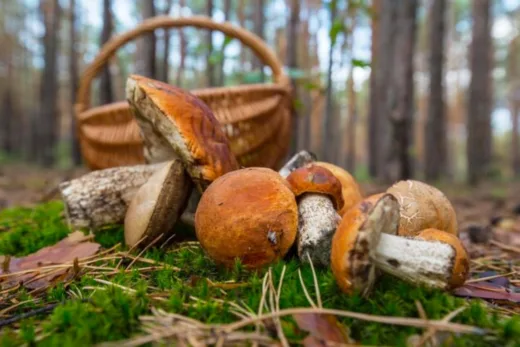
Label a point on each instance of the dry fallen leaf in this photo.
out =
(75, 246)
(322, 328)
(487, 291)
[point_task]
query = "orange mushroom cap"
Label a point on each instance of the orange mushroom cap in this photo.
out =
(350, 189)
(248, 214)
(316, 179)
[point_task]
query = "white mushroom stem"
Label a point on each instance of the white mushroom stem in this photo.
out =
(317, 223)
(419, 262)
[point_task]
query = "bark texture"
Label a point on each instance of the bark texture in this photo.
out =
(478, 145)
(147, 50)
(101, 198)
(74, 80)
(435, 126)
(373, 143)
(106, 93)
(292, 63)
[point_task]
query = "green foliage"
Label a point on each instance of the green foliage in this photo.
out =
(190, 284)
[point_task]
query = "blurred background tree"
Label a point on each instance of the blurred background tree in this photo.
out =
(388, 89)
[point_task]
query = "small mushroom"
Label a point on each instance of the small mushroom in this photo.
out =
(158, 204)
(319, 197)
(356, 238)
(366, 239)
(176, 124)
(249, 214)
(349, 187)
(423, 206)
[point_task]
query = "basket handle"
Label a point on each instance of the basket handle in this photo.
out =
(264, 53)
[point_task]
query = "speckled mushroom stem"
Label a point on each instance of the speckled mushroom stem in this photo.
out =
(101, 198)
(419, 262)
(317, 223)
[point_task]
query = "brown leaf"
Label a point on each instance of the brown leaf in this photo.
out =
(65, 251)
(322, 328)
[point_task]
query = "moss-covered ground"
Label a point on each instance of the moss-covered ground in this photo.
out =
(88, 312)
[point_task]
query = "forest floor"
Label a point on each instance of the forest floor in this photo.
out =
(115, 294)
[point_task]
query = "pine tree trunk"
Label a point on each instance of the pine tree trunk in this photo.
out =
(73, 75)
(182, 43)
(435, 126)
(165, 71)
(479, 102)
(327, 152)
(514, 101)
(210, 72)
(351, 98)
(259, 19)
(106, 94)
(148, 44)
(292, 63)
(372, 137)
(220, 73)
(48, 125)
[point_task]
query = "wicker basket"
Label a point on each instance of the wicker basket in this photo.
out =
(255, 117)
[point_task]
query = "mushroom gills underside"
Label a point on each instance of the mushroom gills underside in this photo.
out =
(382, 219)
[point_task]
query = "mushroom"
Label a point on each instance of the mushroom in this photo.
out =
(366, 239)
(349, 187)
(101, 198)
(158, 204)
(421, 207)
(176, 124)
(319, 197)
(248, 214)
(356, 238)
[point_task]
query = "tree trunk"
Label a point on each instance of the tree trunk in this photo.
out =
(182, 43)
(435, 126)
(401, 98)
(148, 44)
(47, 128)
(373, 142)
(351, 97)
(73, 75)
(478, 145)
(165, 71)
(327, 151)
(220, 73)
(210, 72)
(514, 101)
(259, 19)
(106, 95)
(292, 63)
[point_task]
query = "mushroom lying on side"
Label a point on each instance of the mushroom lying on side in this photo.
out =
(366, 236)
(158, 204)
(423, 206)
(249, 214)
(319, 197)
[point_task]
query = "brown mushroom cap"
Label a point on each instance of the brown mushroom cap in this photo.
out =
(421, 207)
(157, 204)
(461, 264)
(175, 123)
(248, 214)
(316, 179)
(349, 187)
(356, 239)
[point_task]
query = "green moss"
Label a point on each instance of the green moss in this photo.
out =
(85, 316)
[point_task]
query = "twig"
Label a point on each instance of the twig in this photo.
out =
(411, 322)
(315, 279)
(145, 249)
(305, 292)
(115, 285)
(482, 279)
(11, 320)
(506, 247)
